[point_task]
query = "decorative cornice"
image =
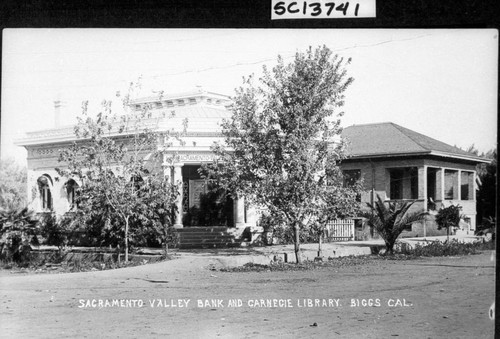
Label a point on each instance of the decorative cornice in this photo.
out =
(174, 99)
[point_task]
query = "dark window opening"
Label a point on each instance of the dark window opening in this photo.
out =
(71, 191)
(396, 184)
(466, 186)
(403, 183)
(351, 177)
(432, 175)
(431, 183)
(413, 183)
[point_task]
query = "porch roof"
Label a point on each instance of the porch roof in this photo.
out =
(389, 139)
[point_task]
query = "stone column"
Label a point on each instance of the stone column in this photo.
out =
(251, 216)
(167, 169)
(474, 188)
(441, 176)
(456, 185)
(422, 185)
(239, 211)
(177, 179)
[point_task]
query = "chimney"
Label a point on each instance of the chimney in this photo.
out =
(58, 108)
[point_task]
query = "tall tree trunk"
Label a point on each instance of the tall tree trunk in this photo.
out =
(126, 240)
(165, 238)
(296, 230)
(118, 254)
(320, 254)
(389, 246)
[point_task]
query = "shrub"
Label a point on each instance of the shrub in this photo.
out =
(488, 226)
(448, 217)
(16, 248)
(450, 248)
(55, 232)
(284, 235)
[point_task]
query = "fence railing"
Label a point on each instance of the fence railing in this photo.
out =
(339, 230)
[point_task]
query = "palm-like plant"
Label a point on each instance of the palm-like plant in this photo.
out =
(18, 224)
(17, 219)
(389, 220)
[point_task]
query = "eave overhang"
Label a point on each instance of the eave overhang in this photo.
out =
(461, 157)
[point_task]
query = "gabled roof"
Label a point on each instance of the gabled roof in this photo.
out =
(389, 139)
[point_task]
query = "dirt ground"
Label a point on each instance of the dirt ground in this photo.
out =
(427, 298)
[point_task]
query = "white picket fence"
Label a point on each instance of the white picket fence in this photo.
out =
(339, 230)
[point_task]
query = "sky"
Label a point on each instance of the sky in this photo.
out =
(438, 82)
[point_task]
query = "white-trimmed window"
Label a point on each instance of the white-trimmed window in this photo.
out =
(44, 183)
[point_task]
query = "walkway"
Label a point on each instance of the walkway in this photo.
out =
(233, 257)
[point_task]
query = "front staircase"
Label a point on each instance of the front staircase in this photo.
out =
(208, 237)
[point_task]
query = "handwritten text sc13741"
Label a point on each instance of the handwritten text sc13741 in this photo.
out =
(322, 9)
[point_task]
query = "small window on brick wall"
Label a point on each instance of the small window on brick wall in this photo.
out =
(351, 177)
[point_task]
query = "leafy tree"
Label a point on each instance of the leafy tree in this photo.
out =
(118, 164)
(18, 225)
(339, 202)
(282, 142)
(487, 184)
(448, 217)
(12, 184)
(472, 149)
(390, 220)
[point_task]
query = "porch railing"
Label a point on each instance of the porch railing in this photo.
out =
(339, 230)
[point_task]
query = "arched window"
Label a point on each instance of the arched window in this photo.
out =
(71, 187)
(45, 194)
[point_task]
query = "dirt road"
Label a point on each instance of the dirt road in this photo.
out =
(428, 298)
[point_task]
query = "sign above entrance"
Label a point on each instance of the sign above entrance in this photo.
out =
(196, 157)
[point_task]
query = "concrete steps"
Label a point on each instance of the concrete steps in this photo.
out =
(207, 237)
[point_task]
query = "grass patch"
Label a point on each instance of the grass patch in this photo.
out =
(70, 266)
(304, 266)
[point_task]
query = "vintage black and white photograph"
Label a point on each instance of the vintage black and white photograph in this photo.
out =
(248, 183)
